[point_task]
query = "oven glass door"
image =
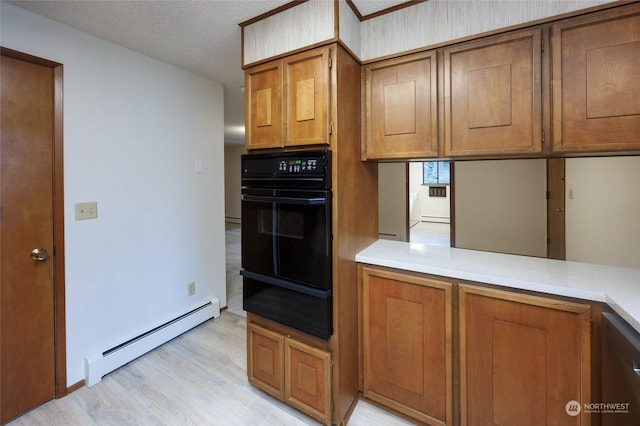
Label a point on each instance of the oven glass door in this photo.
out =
(287, 234)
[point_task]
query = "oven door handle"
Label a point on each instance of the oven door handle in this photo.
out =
(285, 200)
(311, 291)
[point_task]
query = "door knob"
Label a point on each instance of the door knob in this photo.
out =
(559, 210)
(39, 254)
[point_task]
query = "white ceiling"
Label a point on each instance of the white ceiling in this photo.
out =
(200, 36)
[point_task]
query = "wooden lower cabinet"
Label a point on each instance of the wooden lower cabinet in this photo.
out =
(307, 384)
(291, 371)
(445, 352)
(523, 359)
(265, 365)
(407, 359)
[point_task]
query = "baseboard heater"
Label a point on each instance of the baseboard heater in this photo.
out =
(101, 364)
(388, 236)
(436, 219)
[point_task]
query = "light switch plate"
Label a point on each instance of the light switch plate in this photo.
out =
(88, 210)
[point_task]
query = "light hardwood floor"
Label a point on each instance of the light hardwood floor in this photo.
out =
(431, 233)
(199, 378)
(234, 280)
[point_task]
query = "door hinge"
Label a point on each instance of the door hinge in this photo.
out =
(542, 44)
(330, 61)
(330, 128)
(543, 135)
(548, 195)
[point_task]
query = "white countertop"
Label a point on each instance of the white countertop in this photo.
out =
(618, 287)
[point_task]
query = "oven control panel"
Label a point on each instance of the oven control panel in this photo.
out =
(292, 169)
(298, 165)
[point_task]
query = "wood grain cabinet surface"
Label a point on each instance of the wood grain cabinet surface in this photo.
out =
(307, 81)
(265, 356)
(492, 99)
(407, 344)
(401, 108)
(596, 84)
(263, 106)
(287, 101)
(291, 371)
(523, 358)
(308, 379)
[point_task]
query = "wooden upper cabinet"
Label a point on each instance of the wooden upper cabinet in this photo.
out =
(492, 101)
(307, 99)
(523, 358)
(263, 111)
(407, 343)
(287, 101)
(401, 109)
(596, 84)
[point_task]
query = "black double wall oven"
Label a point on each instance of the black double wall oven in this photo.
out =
(286, 239)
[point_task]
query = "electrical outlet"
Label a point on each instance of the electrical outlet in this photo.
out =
(191, 288)
(87, 210)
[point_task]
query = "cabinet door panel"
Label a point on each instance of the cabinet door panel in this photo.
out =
(596, 90)
(308, 379)
(493, 94)
(522, 358)
(522, 365)
(263, 106)
(407, 344)
(307, 98)
(265, 354)
(401, 108)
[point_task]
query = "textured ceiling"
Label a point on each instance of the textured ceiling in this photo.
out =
(199, 36)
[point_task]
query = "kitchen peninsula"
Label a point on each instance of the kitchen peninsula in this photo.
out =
(617, 287)
(488, 335)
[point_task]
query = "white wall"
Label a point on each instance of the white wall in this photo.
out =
(501, 206)
(392, 201)
(602, 201)
(232, 185)
(133, 129)
(432, 209)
